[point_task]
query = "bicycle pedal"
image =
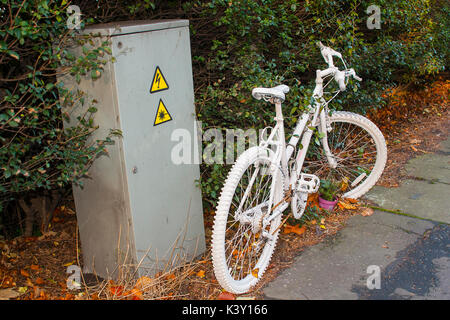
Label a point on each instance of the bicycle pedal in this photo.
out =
(308, 183)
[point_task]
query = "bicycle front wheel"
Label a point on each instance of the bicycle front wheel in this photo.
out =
(358, 147)
(241, 246)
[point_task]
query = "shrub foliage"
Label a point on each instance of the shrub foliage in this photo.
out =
(37, 155)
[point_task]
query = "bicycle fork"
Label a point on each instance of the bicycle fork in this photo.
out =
(326, 148)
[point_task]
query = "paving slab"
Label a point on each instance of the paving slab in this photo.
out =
(434, 168)
(415, 197)
(427, 193)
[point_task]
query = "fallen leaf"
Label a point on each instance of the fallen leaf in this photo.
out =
(29, 283)
(313, 200)
(344, 184)
(255, 272)
(24, 273)
(47, 234)
(226, 296)
(170, 276)
(116, 290)
(294, 229)
(143, 282)
(79, 296)
(69, 296)
(39, 281)
(34, 267)
(94, 296)
(22, 289)
(345, 205)
(366, 212)
(413, 148)
(136, 294)
(201, 274)
(7, 280)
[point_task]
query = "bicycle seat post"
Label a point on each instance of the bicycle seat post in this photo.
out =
(278, 110)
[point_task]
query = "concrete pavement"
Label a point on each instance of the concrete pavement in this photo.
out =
(386, 255)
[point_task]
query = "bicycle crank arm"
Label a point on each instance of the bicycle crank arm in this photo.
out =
(278, 210)
(266, 221)
(270, 234)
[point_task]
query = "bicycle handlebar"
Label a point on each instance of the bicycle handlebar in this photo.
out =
(339, 76)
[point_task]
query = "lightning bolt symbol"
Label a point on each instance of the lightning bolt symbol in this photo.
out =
(158, 78)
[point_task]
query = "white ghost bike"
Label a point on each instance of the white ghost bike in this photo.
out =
(266, 179)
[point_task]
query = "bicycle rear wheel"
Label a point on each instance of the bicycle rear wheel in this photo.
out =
(359, 149)
(240, 250)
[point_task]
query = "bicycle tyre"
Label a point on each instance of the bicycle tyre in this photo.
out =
(228, 250)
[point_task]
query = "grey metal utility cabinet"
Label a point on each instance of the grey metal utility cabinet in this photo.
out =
(138, 207)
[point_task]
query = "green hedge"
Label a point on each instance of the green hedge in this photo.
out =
(37, 154)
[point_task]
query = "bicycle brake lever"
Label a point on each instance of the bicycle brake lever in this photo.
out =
(328, 53)
(351, 72)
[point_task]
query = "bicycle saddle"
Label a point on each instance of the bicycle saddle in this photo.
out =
(269, 93)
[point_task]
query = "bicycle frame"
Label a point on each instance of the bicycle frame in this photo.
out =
(277, 173)
(316, 118)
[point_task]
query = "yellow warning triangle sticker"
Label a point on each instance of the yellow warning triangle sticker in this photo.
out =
(159, 83)
(162, 115)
